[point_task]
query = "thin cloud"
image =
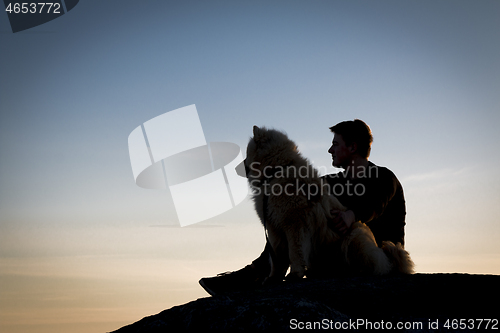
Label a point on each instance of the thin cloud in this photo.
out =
(442, 174)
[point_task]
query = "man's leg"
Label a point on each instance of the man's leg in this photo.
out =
(249, 277)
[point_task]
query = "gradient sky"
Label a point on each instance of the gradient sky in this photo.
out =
(82, 246)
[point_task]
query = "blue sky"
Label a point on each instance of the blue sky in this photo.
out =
(425, 75)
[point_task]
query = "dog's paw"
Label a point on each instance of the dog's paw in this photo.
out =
(294, 276)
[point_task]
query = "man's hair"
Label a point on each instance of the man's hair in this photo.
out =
(355, 131)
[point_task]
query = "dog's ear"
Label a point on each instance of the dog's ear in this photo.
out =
(256, 132)
(255, 129)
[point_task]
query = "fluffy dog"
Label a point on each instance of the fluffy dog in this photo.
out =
(294, 206)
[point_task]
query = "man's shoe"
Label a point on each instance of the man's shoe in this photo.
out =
(243, 279)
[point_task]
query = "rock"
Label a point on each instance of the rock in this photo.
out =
(424, 302)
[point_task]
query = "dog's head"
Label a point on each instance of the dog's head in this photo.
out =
(268, 148)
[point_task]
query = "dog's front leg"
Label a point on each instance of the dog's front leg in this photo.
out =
(299, 247)
(279, 256)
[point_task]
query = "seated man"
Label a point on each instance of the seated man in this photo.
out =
(372, 195)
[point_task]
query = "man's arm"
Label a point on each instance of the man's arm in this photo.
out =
(377, 197)
(342, 221)
(378, 193)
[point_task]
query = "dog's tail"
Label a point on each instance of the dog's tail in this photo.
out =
(362, 253)
(399, 257)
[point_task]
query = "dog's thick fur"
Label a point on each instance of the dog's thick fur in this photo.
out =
(294, 207)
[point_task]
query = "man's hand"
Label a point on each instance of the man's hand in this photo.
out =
(341, 221)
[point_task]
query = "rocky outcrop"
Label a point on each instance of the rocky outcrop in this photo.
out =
(419, 302)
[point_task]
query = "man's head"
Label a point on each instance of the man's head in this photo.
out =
(352, 140)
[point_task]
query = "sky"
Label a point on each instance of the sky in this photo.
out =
(82, 247)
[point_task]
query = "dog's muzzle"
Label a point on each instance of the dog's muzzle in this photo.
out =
(242, 169)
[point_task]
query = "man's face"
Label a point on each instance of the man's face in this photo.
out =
(341, 154)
